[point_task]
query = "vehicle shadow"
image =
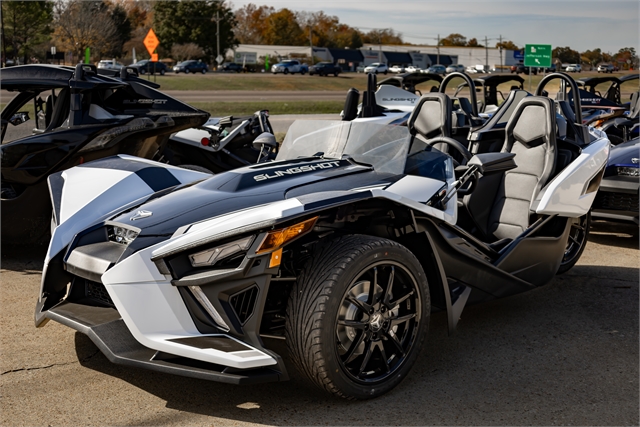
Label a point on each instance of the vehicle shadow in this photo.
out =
(28, 259)
(624, 235)
(547, 356)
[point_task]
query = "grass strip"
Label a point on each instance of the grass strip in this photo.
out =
(221, 109)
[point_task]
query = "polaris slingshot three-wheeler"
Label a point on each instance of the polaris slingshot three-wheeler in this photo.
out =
(342, 246)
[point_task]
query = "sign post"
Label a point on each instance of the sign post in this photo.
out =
(537, 56)
(151, 42)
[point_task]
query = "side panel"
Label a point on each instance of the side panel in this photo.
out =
(565, 194)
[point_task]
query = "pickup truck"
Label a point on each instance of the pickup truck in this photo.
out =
(289, 66)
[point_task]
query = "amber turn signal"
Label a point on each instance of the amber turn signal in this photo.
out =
(278, 238)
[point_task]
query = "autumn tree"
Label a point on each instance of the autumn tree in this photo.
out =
(80, 24)
(507, 44)
(592, 57)
(474, 43)
(327, 31)
(181, 52)
(251, 23)
(454, 39)
(189, 21)
(25, 24)
(283, 29)
(384, 36)
(566, 55)
(626, 56)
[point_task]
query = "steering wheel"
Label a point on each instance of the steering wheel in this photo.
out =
(466, 155)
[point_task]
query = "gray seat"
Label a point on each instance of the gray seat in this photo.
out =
(530, 134)
(431, 117)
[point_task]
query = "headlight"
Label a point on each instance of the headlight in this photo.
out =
(627, 171)
(213, 255)
(122, 235)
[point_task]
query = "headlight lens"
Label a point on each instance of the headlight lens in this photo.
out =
(122, 235)
(628, 171)
(213, 255)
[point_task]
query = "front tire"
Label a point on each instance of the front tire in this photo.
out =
(358, 315)
(162, 72)
(286, 71)
(577, 242)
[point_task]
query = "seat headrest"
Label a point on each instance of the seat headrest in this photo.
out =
(532, 126)
(432, 116)
(533, 122)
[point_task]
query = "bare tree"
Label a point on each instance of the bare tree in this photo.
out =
(180, 52)
(81, 24)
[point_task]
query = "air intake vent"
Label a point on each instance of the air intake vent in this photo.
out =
(97, 291)
(244, 302)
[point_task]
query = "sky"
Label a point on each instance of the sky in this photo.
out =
(579, 24)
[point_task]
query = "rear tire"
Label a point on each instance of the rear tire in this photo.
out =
(577, 242)
(204, 71)
(162, 72)
(286, 71)
(358, 315)
(187, 71)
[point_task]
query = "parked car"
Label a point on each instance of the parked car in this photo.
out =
(605, 68)
(413, 69)
(360, 69)
(471, 70)
(191, 66)
(574, 68)
(617, 198)
(146, 66)
(396, 69)
(455, 68)
(231, 66)
(324, 69)
(377, 67)
(290, 66)
(520, 68)
(110, 64)
(437, 69)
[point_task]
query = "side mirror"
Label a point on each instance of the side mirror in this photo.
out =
(19, 118)
(263, 139)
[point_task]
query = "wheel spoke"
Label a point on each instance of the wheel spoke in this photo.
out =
(402, 319)
(348, 356)
(368, 350)
(395, 342)
(396, 303)
(387, 291)
(352, 324)
(574, 240)
(360, 304)
(371, 299)
(383, 353)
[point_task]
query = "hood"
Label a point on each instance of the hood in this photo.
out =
(624, 153)
(242, 189)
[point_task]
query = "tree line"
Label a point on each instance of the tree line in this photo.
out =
(187, 29)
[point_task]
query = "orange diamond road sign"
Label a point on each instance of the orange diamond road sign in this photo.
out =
(151, 41)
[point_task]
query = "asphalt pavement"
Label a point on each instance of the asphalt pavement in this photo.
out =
(563, 354)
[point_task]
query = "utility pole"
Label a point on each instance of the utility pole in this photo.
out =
(500, 45)
(438, 47)
(486, 54)
(310, 43)
(217, 19)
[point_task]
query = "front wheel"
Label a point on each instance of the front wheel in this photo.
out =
(286, 71)
(162, 72)
(577, 242)
(358, 315)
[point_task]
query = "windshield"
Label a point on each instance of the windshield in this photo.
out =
(382, 146)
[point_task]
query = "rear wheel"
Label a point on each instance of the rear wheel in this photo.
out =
(187, 71)
(358, 315)
(162, 72)
(204, 71)
(577, 242)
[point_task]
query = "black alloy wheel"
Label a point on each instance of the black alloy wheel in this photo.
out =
(162, 72)
(578, 236)
(286, 71)
(186, 71)
(358, 316)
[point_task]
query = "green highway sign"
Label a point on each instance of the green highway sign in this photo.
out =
(537, 55)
